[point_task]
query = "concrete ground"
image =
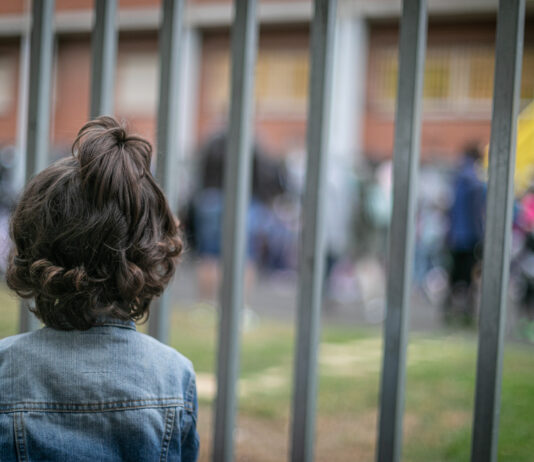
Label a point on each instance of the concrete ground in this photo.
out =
(356, 296)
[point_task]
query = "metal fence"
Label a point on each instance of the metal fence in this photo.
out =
(510, 25)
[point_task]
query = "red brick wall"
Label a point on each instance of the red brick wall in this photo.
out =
(442, 136)
(8, 119)
(72, 88)
(276, 134)
(12, 7)
(439, 138)
(71, 93)
(18, 6)
(207, 2)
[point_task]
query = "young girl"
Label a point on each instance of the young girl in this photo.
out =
(94, 243)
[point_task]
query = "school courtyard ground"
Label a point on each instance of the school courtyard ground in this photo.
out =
(440, 376)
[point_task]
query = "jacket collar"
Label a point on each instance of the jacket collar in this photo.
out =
(115, 322)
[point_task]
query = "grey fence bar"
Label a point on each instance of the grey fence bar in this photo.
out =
(312, 237)
(237, 179)
(401, 235)
(495, 270)
(37, 141)
(167, 158)
(104, 52)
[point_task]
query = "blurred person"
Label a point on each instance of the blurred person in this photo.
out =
(525, 216)
(265, 233)
(207, 205)
(379, 207)
(341, 201)
(94, 243)
(431, 232)
(7, 201)
(522, 262)
(465, 235)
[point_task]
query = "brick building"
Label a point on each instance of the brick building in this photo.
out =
(457, 91)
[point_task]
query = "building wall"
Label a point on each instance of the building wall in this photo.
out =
(12, 7)
(9, 78)
(457, 91)
(137, 81)
(458, 82)
(72, 85)
(20, 6)
(71, 88)
(281, 87)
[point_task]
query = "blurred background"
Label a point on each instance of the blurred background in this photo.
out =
(458, 89)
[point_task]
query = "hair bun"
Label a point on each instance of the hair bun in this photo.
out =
(119, 133)
(111, 162)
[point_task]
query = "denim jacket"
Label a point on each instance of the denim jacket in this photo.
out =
(106, 394)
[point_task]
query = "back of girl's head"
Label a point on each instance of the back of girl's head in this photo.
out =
(93, 233)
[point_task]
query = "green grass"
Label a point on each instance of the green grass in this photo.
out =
(439, 388)
(439, 385)
(9, 315)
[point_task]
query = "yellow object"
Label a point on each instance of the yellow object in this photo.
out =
(524, 154)
(524, 161)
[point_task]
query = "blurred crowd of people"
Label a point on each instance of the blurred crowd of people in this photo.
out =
(449, 227)
(358, 204)
(522, 268)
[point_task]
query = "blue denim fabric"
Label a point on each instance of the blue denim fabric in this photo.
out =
(106, 394)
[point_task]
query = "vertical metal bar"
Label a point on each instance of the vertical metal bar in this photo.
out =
(495, 270)
(312, 243)
(22, 109)
(41, 48)
(401, 235)
(104, 52)
(38, 108)
(167, 159)
(236, 198)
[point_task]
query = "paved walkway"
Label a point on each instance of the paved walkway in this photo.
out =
(360, 300)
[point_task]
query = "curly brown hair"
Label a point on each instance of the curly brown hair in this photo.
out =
(93, 233)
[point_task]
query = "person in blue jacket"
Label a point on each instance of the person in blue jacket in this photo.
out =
(466, 229)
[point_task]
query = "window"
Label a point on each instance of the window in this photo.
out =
(137, 83)
(437, 80)
(481, 68)
(437, 76)
(457, 79)
(386, 75)
(281, 81)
